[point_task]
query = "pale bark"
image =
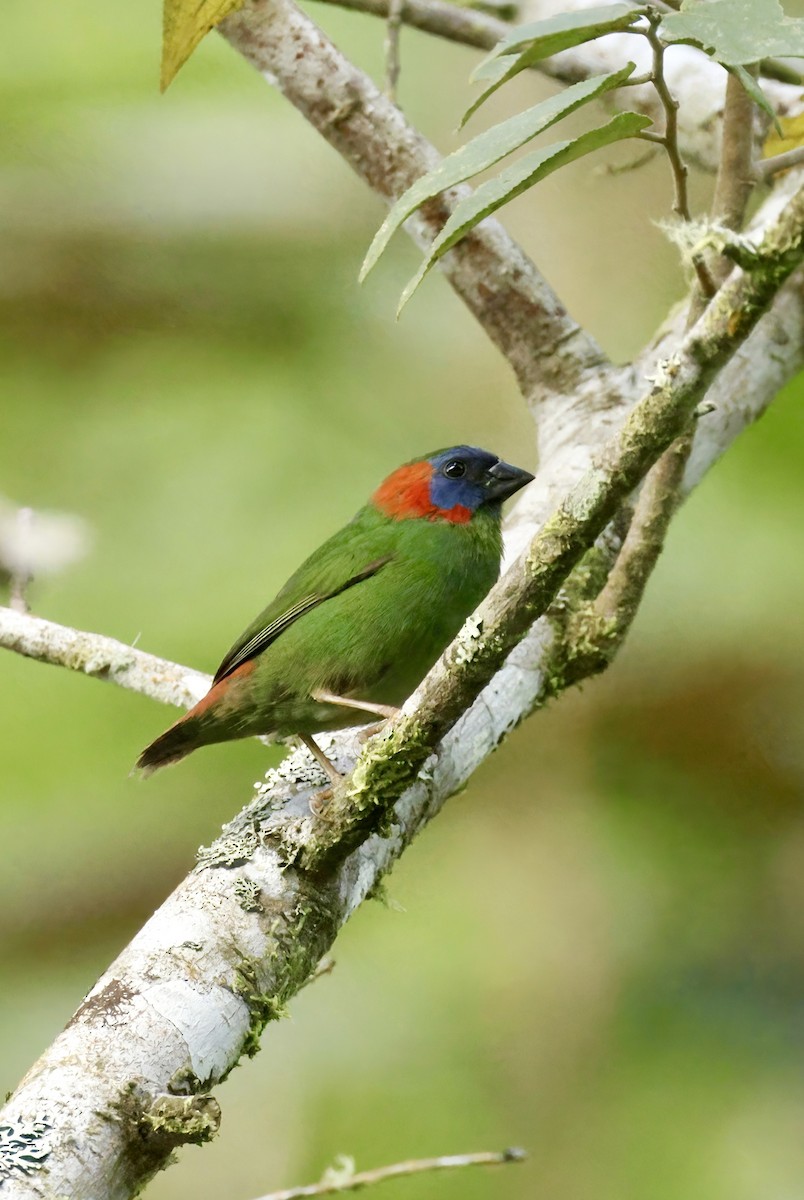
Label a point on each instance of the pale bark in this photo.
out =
(102, 658)
(129, 1078)
(242, 933)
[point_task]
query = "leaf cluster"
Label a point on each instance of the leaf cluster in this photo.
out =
(735, 33)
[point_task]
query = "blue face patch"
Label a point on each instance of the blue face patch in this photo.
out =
(468, 490)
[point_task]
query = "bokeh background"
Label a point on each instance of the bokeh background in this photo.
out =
(596, 951)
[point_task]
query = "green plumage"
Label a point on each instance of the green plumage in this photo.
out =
(364, 617)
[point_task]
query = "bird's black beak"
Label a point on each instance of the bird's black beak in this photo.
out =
(502, 480)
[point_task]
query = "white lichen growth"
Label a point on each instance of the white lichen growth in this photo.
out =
(666, 371)
(467, 641)
(24, 1146)
(694, 239)
(247, 893)
(228, 851)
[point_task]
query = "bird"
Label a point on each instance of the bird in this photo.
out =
(359, 624)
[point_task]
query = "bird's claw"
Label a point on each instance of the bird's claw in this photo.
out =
(319, 801)
(368, 731)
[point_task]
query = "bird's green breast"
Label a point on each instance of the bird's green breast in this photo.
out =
(374, 641)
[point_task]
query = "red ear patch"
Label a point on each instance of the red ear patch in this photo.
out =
(406, 493)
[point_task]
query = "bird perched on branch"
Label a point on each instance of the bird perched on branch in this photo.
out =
(356, 628)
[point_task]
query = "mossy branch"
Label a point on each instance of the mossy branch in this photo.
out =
(392, 761)
(598, 624)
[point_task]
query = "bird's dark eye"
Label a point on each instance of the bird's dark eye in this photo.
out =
(455, 469)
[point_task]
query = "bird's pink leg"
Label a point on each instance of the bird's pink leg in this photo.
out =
(321, 758)
(382, 710)
(368, 731)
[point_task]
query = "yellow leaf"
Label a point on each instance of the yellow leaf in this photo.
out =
(792, 136)
(184, 24)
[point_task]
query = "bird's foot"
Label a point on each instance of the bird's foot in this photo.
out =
(319, 801)
(368, 731)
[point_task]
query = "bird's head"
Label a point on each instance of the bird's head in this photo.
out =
(449, 485)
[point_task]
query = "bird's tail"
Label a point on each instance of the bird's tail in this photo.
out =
(171, 746)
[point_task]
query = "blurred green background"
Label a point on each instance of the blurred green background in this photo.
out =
(600, 953)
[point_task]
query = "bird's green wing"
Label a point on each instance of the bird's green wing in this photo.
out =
(329, 571)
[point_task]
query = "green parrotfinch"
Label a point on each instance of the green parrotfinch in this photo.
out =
(356, 628)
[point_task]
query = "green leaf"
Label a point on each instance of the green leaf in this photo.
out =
(521, 175)
(736, 32)
(488, 148)
(184, 24)
(756, 93)
(565, 30)
(528, 44)
(499, 71)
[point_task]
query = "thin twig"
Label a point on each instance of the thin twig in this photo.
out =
(392, 64)
(325, 967)
(602, 626)
(469, 27)
(766, 168)
(670, 141)
(647, 135)
(632, 164)
(416, 1166)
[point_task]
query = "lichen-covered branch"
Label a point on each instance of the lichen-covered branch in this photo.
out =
(532, 582)
(598, 622)
(102, 658)
(131, 1075)
(514, 304)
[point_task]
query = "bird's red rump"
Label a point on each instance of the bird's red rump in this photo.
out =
(221, 687)
(406, 493)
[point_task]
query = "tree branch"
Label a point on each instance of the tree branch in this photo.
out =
(243, 932)
(353, 1182)
(598, 629)
(525, 592)
(392, 63)
(516, 307)
(735, 176)
(467, 26)
(759, 369)
(766, 168)
(102, 658)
